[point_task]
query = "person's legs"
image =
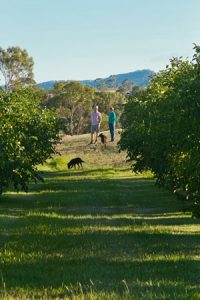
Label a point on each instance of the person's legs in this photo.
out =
(110, 125)
(96, 136)
(112, 131)
(92, 137)
(97, 132)
(92, 134)
(94, 131)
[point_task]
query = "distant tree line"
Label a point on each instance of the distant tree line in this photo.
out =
(71, 101)
(74, 102)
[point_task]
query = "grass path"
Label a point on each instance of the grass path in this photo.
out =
(97, 233)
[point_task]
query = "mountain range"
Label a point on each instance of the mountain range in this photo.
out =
(140, 78)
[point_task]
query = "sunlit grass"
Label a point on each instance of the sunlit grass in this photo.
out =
(97, 233)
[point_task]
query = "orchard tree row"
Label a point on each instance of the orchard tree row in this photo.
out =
(162, 127)
(28, 136)
(28, 131)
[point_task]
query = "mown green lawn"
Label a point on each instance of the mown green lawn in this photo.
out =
(97, 234)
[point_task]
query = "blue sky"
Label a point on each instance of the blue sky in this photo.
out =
(86, 39)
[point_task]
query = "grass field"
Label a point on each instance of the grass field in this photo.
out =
(97, 233)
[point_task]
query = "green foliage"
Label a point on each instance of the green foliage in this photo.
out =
(72, 102)
(28, 135)
(127, 88)
(42, 94)
(16, 67)
(161, 127)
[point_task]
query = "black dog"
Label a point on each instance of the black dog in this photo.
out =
(75, 161)
(103, 139)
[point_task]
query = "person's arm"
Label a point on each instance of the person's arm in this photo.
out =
(100, 118)
(115, 118)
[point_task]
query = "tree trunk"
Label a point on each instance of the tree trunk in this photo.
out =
(71, 124)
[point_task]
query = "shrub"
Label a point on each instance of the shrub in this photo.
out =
(28, 135)
(162, 129)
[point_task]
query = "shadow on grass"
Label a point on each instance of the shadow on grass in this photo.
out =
(43, 261)
(93, 196)
(83, 172)
(72, 231)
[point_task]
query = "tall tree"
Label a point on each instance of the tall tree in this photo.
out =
(72, 101)
(41, 94)
(128, 88)
(16, 67)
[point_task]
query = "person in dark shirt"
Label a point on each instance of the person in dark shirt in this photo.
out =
(112, 122)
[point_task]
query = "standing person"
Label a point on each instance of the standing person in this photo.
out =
(112, 122)
(96, 119)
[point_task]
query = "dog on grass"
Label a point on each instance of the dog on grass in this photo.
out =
(75, 162)
(103, 139)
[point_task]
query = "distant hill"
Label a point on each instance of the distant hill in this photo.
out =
(47, 85)
(140, 78)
